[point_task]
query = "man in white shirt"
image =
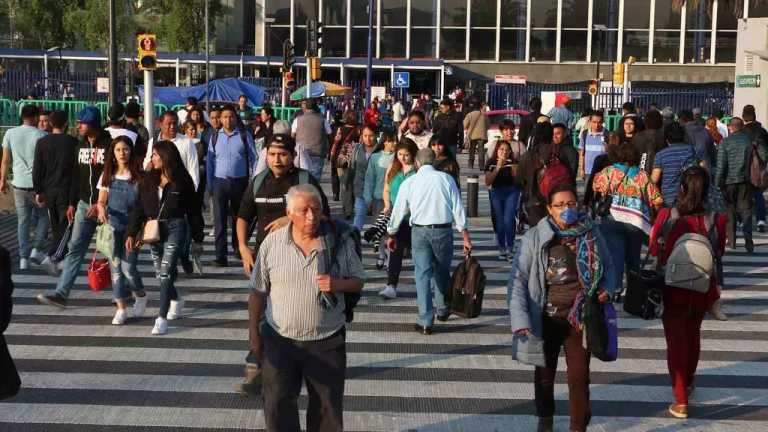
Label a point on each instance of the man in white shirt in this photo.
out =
(398, 111)
(116, 121)
(434, 203)
(184, 112)
(187, 149)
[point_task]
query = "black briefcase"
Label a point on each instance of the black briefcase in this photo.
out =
(643, 298)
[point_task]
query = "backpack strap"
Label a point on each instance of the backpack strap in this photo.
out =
(303, 176)
(666, 228)
(244, 139)
(258, 180)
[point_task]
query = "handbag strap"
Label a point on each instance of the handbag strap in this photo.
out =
(93, 260)
(162, 205)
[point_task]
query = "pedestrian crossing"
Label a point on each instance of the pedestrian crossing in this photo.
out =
(80, 373)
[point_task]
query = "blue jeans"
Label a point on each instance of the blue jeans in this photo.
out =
(27, 212)
(626, 242)
(361, 211)
(125, 271)
(504, 202)
(760, 206)
(318, 162)
(82, 233)
(165, 255)
(432, 250)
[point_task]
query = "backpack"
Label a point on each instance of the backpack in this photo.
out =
(692, 263)
(243, 138)
(468, 285)
(337, 233)
(758, 176)
(553, 173)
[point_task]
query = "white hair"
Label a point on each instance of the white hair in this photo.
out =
(306, 190)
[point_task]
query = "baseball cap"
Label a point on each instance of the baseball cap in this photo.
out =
(90, 116)
(282, 141)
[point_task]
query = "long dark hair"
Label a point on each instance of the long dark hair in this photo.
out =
(111, 165)
(173, 167)
(694, 188)
(396, 167)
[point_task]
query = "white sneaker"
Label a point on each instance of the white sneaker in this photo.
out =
(36, 256)
(120, 316)
(24, 264)
(174, 312)
(161, 326)
(49, 266)
(389, 292)
(139, 306)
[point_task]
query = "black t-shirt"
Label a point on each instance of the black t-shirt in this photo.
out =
(561, 264)
(507, 174)
(54, 163)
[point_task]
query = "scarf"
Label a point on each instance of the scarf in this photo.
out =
(588, 263)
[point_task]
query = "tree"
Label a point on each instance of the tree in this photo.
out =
(39, 24)
(182, 23)
(736, 5)
(89, 25)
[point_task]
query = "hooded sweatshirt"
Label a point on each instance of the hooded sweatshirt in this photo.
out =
(89, 163)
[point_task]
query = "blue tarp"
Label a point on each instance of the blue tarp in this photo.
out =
(221, 90)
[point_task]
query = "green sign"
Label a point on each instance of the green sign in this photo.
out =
(748, 81)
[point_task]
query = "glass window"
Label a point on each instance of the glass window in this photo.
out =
(725, 47)
(393, 13)
(697, 18)
(726, 19)
(359, 46)
(280, 10)
(637, 14)
(755, 11)
(453, 44)
(423, 43)
(360, 13)
(454, 13)
(482, 44)
(697, 47)
(544, 13)
(335, 12)
(300, 40)
(666, 47)
(543, 45)
(423, 13)
(606, 12)
(666, 18)
(276, 37)
(513, 13)
(483, 13)
(392, 42)
(604, 45)
(573, 45)
(636, 44)
(305, 10)
(334, 42)
(512, 45)
(575, 14)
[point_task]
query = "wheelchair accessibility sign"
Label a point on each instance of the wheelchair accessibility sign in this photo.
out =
(402, 80)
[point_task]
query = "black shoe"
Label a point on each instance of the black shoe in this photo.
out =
(444, 317)
(749, 245)
(426, 331)
(186, 264)
(52, 300)
(379, 264)
(220, 263)
(761, 227)
(546, 424)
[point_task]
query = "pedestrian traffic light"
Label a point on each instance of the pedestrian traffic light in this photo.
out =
(314, 64)
(314, 38)
(618, 74)
(289, 56)
(288, 81)
(593, 88)
(147, 51)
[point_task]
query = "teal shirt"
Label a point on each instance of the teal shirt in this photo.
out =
(375, 175)
(21, 141)
(397, 181)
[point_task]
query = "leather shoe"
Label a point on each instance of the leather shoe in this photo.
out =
(426, 331)
(444, 317)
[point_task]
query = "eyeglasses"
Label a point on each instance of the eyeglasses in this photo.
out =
(560, 206)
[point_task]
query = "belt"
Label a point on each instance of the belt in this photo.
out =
(24, 189)
(434, 226)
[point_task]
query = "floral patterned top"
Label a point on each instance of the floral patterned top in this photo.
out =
(631, 188)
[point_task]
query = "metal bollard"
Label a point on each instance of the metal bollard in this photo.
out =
(472, 191)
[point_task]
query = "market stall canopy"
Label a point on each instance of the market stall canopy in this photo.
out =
(220, 90)
(320, 89)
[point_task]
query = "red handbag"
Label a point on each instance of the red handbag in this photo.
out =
(99, 276)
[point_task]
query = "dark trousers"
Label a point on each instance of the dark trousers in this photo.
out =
(347, 185)
(57, 204)
(740, 201)
(322, 365)
(227, 195)
(559, 333)
(403, 238)
(760, 206)
(335, 184)
(479, 147)
(683, 333)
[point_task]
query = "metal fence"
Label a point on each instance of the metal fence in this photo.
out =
(62, 84)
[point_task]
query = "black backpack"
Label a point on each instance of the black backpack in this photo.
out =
(337, 232)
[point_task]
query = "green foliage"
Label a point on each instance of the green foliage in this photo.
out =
(181, 23)
(39, 23)
(89, 26)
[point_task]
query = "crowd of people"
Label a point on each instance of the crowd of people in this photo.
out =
(653, 180)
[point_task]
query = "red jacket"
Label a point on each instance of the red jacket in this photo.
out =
(371, 117)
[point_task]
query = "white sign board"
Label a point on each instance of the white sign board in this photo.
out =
(548, 98)
(510, 79)
(378, 92)
(102, 85)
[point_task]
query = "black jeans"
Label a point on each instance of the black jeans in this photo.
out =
(479, 147)
(335, 184)
(57, 204)
(403, 238)
(322, 365)
(227, 195)
(740, 199)
(560, 333)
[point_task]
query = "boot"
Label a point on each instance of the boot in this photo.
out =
(717, 311)
(546, 424)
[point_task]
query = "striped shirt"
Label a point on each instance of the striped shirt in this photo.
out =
(671, 161)
(289, 281)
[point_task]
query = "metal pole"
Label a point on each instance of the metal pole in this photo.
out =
(207, 59)
(597, 73)
(369, 65)
(309, 77)
(45, 72)
(112, 53)
(472, 195)
(178, 72)
(242, 66)
(149, 101)
(266, 41)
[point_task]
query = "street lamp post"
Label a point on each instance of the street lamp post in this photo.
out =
(45, 68)
(112, 53)
(369, 65)
(600, 28)
(267, 37)
(207, 60)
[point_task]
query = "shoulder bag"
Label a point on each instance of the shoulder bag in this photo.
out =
(152, 228)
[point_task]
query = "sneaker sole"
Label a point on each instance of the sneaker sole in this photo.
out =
(676, 414)
(43, 300)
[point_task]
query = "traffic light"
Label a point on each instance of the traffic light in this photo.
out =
(314, 64)
(592, 88)
(289, 55)
(314, 38)
(618, 74)
(147, 51)
(288, 81)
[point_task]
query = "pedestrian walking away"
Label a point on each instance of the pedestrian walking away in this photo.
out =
(432, 203)
(670, 163)
(300, 280)
(312, 131)
(476, 131)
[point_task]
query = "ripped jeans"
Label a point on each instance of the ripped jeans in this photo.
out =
(165, 255)
(125, 272)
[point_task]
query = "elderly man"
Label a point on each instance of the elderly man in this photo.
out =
(302, 274)
(434, 203)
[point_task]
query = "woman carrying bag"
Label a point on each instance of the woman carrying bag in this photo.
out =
(684, 309)
(118, 189)
(167, 204)
(572, 254)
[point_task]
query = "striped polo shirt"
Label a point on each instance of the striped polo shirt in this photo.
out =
(594, 146)
(289, 281)
(671, 161)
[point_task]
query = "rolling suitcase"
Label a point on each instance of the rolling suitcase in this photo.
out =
(466, 296)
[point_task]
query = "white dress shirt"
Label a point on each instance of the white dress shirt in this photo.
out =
(115, 132)
(188, 152)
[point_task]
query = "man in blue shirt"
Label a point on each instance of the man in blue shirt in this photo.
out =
(669, 164)
(591, 143)
(19, 151)
(230, 164)
(434, 203)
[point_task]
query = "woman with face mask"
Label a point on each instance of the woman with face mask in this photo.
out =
(546, 309)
